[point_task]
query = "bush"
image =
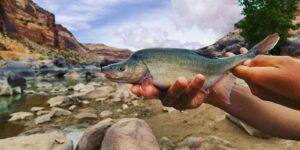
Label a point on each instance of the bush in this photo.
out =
(264, 17)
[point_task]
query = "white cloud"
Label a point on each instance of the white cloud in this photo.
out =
(187, 24)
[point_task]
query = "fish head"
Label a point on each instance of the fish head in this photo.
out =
(129, 71)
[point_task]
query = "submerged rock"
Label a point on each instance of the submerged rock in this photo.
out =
(132, 133)
(93, 136)
(46, 141)
(20, 116)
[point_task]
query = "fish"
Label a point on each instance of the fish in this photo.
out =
(162, 66)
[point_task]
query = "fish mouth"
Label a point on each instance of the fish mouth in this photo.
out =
(114, 79)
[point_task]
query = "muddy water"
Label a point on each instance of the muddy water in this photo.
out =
(17, 103)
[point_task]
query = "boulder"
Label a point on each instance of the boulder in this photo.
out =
(5, 89)
(60, 112)
(57, 101)
(47, 141)
(93, 136)
(16, 81)
(20, 116)
(132, 133)
(36, 109)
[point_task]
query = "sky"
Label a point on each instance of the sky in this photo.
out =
(137, 24)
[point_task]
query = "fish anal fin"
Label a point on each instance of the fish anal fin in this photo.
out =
(223, 88)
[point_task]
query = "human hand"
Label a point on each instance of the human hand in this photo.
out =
(181, 95)
(271, 77)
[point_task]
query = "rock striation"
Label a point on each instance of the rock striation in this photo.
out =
(25, 19)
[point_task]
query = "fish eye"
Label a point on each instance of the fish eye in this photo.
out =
(121, 69)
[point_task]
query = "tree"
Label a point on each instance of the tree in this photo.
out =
(264, 17)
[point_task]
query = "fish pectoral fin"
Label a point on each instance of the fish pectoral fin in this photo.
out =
(223, 88)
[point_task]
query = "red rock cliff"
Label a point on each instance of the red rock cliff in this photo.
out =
(23, 18)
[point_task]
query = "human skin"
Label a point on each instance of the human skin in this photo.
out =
(274, 119)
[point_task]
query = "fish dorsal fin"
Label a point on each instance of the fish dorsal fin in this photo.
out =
(209, 51)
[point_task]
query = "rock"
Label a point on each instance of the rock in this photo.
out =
(105, 114)
(46, 141)
(29, 92)
(32, 22)
(43, 118)
(85, 115)
(42, 112)
(168, 109)
(248, 129)
(101, 99)
(85, 102)
(5, 89)
(166, 144)
(116, 99)
(207, 143)
(95, 84)
(118, 110)
(20, 116)
(107, 89)
(124, 106)
(16, 81)
(135, 103)
(72, 75)
(59, 89)
(95, 95)
(133, 134)
(17, 90)
(36, 109)
(83, 88)
(60, 112)
(93, 136)
(78, 87)
(57, 101)
(73, 107)
(44, 86)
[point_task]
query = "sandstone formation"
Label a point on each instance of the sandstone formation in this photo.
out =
(25, 19)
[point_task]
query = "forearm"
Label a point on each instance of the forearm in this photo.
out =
(268, 117)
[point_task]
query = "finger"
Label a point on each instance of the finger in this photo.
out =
(135, 89)
(243, 50)
(149, 91)
(241, 72)
(175, 91)
(263, 60)
(195, 86)
(228, 54)
(197, 100)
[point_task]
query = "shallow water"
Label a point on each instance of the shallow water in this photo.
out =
(24, 102)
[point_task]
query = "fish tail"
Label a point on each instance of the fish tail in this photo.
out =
(265, 45)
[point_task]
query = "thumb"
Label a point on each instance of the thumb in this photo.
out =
(242, 72)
